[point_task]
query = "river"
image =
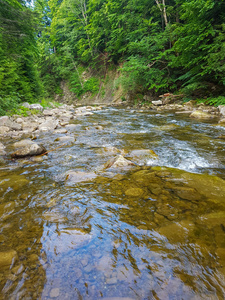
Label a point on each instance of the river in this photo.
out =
(154, 230)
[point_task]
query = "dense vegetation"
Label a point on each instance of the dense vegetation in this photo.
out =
(159, 46)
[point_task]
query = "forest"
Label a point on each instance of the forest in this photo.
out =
(157, 46)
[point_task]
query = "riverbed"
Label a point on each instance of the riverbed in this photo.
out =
(72, 228)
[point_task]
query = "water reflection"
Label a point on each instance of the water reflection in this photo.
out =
(22, 258)
(143, 233)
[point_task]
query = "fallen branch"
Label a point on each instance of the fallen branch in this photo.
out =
(52, 150)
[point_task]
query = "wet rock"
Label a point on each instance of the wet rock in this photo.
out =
(134, 192)
(8, 258)
(66, 138)
(118, 162)
(143, 156)
(201, 115)
(78, 176)
(177, 232)
(209, 186)
(29, 150)
(14, 182)
(146, 178)
(187, 193)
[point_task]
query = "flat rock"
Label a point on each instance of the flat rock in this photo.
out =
(23, 143)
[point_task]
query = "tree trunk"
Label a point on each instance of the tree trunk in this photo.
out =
(162, 8)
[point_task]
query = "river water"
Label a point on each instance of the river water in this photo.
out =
(155, 230)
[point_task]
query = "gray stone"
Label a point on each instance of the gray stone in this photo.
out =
(25, 104)
(4, 129)
(29, 150)
(157, 102)
(222, 109)
(23, 143)
(118, 162)
(48, 112)
(3, 120)
(48, 125)
(37, 106)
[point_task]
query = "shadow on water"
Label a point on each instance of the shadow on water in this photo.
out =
(148, 232)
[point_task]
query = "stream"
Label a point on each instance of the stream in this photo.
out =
(152, 230)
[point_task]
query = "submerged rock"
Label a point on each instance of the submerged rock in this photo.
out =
(29, 150)
(143, 156)
(78, 176)
(118, 162)
(134, 192)
(209, 186)
(8, 258)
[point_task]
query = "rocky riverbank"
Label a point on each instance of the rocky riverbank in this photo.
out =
(60, 119)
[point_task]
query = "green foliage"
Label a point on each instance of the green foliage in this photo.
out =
(213, 101)
(23, 111)
(79, 87)
(8, 103)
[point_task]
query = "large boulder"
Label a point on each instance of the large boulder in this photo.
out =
(201, 115)
(29, 150)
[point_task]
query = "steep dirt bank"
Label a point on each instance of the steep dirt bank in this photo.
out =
(110, 92)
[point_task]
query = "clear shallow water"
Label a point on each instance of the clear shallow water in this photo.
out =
(138, 233)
